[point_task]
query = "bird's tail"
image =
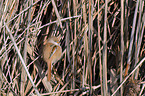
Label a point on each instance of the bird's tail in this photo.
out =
(49, 71)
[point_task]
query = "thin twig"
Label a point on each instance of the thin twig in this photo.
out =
(129, 75)
(23, 63)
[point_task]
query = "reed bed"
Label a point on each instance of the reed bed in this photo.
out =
(103, 43)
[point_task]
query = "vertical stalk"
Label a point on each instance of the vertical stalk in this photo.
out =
(132, 39)
(84, 14)
(99, 39)
(138, 36)
(23, 74)
(75, 42)
(90, 44)
(122, 45)
(105, 89)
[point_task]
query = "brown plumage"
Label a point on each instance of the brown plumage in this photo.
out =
(52, 52)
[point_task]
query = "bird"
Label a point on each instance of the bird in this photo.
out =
(52, 52)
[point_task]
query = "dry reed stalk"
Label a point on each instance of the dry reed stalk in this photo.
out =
(122, 45)
(105, 89)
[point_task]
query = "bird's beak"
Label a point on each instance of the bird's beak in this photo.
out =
(44, 42)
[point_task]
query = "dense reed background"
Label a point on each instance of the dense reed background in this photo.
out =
(103, 44)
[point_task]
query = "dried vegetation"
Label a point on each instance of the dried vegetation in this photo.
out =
(103, 44)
